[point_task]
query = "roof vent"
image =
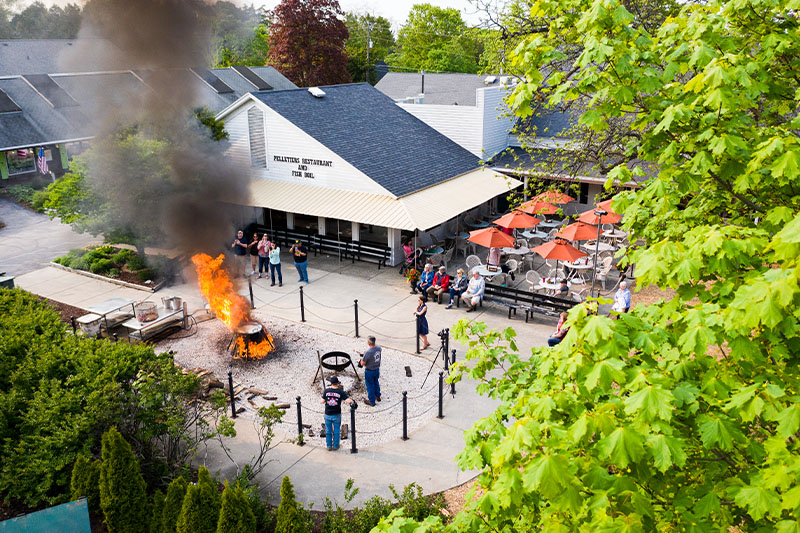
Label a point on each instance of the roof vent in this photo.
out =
(316, 91)
(488, 80)
(504, 80)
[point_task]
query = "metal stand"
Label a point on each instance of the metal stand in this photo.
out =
(445, 336)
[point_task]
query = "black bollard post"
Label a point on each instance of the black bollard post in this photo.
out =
(452, 361)
(353, 448)
(417, 327)
(441, 395)
(233, 398)
(302, 306)
(446, 361)
(299, 422)
(453, 358)
(355, 309)
(74, 326)
(405, 415)
(446, 343)
(252, 301)
(116, 337)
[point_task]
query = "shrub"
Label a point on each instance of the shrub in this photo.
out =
(21, 193)
(101, 266)
(136, 263)
(113, 272)
(200, 511)
(145, 274)
(416, 505)
(235, 515)
(86, 482)
(156, 509)
(123, 256)
(123, 495)
(38, 200)
(292, 517)
(173, 503)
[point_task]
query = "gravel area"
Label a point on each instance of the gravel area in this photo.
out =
(289, 371)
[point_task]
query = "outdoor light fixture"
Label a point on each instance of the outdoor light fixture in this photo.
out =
(599, 213)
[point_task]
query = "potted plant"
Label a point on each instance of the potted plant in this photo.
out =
(412, 276)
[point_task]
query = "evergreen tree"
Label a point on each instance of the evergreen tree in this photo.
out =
(200, 511)
(235, 516)
(292, 518)
(122, 488)
(155, 512)
(176, 492)
(86, 482)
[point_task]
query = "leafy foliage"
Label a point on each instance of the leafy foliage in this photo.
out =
(173, 503)
(367, 31)
(208, 118)
(37, 21)
(235, 516)
(201, 506)
(122, 489)
(85, 482)
(156, 511)
(681, 415)
(23, 194)
(307, 42)
(240, 37)
(292, 517)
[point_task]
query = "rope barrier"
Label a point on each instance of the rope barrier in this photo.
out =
(282, 307)
(305, 294)
(312, 313)
(435, 385)
(370, 413)
(361, 309)
(425, 411)
(386, 336)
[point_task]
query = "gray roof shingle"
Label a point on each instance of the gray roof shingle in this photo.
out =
(443, 89)
(369, 131)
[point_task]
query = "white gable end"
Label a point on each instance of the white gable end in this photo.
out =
(284, 152)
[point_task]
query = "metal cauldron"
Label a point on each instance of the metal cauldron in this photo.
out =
(336, 361)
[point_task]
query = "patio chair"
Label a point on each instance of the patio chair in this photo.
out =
(534, 280)
(607, 227)
(436, 260)
(498, 279)
(448, 256)
(603, 269)
(512, 265)
(579, 296)
(472, 262)
(552, 234)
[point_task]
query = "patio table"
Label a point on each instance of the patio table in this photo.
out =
(552, 287)
(462, 235)
(549, 224)
(615, 234)
(477, 224)
(528, 234)
(484, 271)
(433, 251)
(603, 247)
(522, 250)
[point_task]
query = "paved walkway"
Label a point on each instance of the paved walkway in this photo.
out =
(31, 240)
(385, 309)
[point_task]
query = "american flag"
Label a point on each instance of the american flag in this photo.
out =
(41, 161)
(22, 154)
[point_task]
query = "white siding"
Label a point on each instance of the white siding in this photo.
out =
(462, 124)
(287, 140)
(495, 124)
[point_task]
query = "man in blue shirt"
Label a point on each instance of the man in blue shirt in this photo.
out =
(425, 281)
(371, 361)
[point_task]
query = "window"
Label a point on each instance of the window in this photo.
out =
(258, 143)
(583, 197)
(20, 161)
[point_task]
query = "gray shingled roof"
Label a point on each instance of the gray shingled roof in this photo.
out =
(444, 89)
(43, 56)
(549, 123)
(367, 129)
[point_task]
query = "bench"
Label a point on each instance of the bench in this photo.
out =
(528, 301)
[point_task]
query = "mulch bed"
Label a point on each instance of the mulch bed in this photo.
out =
(66, 311)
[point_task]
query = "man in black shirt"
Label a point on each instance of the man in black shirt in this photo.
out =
(333, 398)
(300, 254)
(240, 250)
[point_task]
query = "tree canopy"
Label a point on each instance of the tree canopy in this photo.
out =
(436, 39)
(381, 42)
(683, 414)
(37, 21)
(307, 42)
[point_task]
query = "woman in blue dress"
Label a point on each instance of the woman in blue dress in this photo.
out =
(422, 321)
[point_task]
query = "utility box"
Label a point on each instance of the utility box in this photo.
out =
(7, 282)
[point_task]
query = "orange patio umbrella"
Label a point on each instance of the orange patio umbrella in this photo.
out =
(491, 238)
(559, 249)
(589, 217)
(578, 231)
(554, 197)
(517, 219)
(606, 206)
(537, 207)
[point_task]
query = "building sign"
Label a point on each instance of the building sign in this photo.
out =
(303, 164)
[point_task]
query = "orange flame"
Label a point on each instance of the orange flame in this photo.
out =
(229, 306)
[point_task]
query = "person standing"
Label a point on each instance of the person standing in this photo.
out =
(622, 298)
(371, 361)
(422, 321)
(263, 255)
(240, 250)
(333, 397)
(300, 254)
(253, 249)
(275, 264)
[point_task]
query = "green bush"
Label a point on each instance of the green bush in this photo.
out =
(38, 200)
(145, 274)
(173, 503)
(156, 510)
(200, 511)
(113, 272)
(416, 505)
(123, 495)
(123, 256)
(136, 263)
(292, 517)
(101, 266)
(21, 193)
(235, 515)
(86, 482)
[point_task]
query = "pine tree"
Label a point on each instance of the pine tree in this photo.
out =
(86, 482)
(123, 495)
(200, 511)
(289, 516)
(235, 516)
(176, 492)
(156, 511)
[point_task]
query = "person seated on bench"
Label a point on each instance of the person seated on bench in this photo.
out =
(563, 290)
(441, 282)
(474, 292)
(560, 332)
(457, 287)
(425, 281)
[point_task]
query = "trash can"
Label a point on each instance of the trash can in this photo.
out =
(90, 324)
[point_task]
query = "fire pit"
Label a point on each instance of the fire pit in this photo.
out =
(250, 341)
(336, 361)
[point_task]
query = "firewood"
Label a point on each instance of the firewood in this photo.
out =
(252, 403)
(215, 384)
(254, 390)
(283, 405)
(240, 410)
(344, 432)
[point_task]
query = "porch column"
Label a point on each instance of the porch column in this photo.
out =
(289, 220)
(355, 229)
(3, 166)
(321, 225)
(396, 246)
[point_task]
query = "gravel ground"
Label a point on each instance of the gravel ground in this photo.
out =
(288, 372)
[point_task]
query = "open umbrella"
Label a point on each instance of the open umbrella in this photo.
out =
(578, 231)
(491, 238)
(517, 219)
(589, 217)
(559, 249)
(554, 197)
(537, 207)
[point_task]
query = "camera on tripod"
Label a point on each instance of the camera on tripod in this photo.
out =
(442, 334)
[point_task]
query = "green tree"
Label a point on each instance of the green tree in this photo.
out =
(86, 482)
(200, 511)
(123, 495)
(436, 39)
(156, 511)
(36, 21)
(235, 515)
(173, 502)
(683, 414)
(292, 517)
(371, 36)
(240, 37)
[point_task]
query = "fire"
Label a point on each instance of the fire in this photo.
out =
(229, 306)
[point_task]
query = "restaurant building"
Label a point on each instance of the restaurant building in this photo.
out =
(345, 161)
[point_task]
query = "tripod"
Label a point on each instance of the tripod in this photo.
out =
(444, 335)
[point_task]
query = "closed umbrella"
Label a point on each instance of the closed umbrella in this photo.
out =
(578, 231)
(554, 197)
(537, 207)
(517, 219)
(491, 238)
